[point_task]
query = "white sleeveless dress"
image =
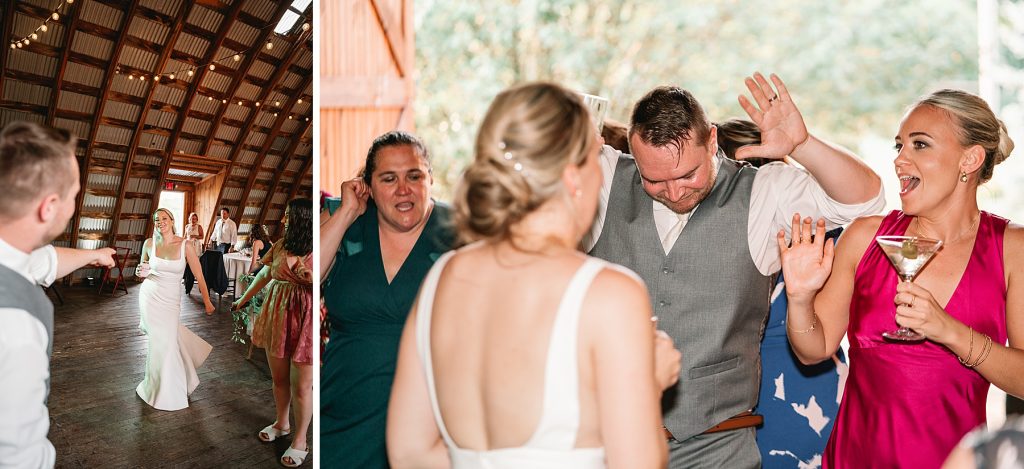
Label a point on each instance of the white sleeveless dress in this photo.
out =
(174, 351)
(551, 445)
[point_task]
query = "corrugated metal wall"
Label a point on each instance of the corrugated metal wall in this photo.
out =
(364, 88)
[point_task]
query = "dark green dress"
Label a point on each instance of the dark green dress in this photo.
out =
(367, 315)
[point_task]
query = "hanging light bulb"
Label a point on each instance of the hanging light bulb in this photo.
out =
(307, 119)
(275, 114)
(156, 77)
(240, 103)
(55, 16)
(257, 104)
(27, 42)
(223, 101)
(71, 1)
(209, 98)
(171, 76)
(190, 72)
(277, 103)
(19, 45)
(237, 57)
(34, 36)
(43, 28)
(300, 101)
(270, 45)
(13, 46)
(213, 67)
(131, 77)
(306, 26)
(289, 116)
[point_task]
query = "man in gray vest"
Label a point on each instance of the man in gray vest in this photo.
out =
(701, 229)
(39, 176)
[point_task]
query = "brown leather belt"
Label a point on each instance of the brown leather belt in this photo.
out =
(742, 420)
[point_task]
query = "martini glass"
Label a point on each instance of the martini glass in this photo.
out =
(908, 255)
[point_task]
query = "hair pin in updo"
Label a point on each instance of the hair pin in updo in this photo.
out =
(510, 157)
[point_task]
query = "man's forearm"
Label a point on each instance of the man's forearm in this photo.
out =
(70, 260)
(843, 176)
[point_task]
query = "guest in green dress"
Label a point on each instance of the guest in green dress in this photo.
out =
(375, 250)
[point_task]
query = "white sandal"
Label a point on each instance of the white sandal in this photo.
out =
(297, 457)
(272, 433)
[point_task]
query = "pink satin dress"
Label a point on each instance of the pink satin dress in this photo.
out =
(908, 405)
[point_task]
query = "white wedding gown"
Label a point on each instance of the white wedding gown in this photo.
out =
(174, 351)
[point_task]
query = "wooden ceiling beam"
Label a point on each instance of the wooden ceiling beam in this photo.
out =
(193, 92)
(307, 166)
(165, 55)
(92, 145)
(257, 165)
(69, 30)
(244, 69)
(285, 159)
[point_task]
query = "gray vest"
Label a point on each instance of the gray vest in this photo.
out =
(17, 292)
(707, 292)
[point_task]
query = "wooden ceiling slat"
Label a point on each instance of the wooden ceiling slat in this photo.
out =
(193, 92)
(306, 168)
(165, 55)
(243, 69)
(280, 170)
(92, 145)
(274, 133)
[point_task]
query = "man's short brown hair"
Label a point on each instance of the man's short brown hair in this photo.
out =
(34, 161)
(669, 115)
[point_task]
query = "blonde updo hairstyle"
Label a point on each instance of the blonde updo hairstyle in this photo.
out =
(976, 125)
(530, 133)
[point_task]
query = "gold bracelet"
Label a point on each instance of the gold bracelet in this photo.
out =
(814, 322)
(970, 351)
(984, 353)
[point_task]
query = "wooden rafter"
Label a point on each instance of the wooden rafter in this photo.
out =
(70, 26)
(267, 144)
(242, 71)
(281, 167)
(278, 122)
(108, 80)
(275, 80)
(306, 167)
(186, 108)
(165, 55)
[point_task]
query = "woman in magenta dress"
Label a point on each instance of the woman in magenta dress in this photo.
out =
(907, 404)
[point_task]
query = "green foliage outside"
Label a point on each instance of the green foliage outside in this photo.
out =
(852, 66)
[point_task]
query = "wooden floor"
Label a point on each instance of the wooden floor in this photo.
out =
(97, 420)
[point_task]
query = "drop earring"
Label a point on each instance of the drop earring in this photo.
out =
(963, 176)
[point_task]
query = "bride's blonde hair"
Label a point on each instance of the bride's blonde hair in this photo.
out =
(156, 231)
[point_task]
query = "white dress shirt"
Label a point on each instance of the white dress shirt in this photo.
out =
(225, 231)
(24, 368)
(779, 191)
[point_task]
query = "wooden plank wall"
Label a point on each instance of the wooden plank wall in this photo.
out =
(366, 64)
(206, 197)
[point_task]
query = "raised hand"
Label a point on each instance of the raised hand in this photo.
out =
(354, 194)
(782, 126)
(806, 264)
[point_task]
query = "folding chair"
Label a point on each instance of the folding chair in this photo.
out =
(120, 259)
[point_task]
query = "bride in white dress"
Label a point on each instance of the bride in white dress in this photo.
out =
(521, 351)
(174, 351)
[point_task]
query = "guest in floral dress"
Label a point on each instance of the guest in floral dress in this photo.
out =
(284, 327)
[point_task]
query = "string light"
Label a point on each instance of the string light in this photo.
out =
(18, 43)
(55, 15)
